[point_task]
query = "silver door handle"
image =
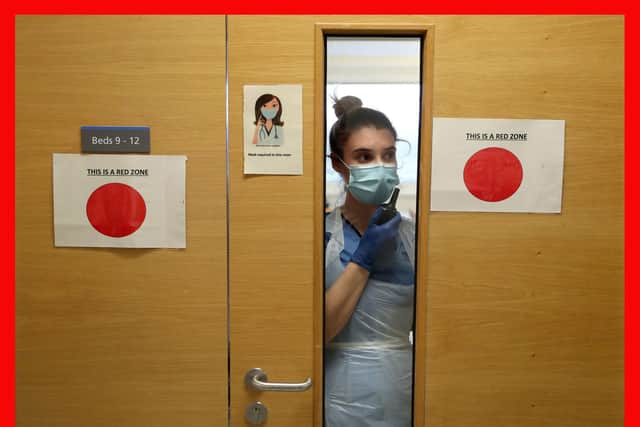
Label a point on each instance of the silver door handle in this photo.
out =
(257, 379)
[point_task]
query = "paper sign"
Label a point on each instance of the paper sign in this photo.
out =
(273, 130)
(497, 165)
(123, 201)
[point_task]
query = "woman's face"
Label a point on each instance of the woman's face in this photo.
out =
(271, 104)
(270, 109)
(368, 145)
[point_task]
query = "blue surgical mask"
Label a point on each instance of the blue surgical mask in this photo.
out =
(372, 184)
(269, 113)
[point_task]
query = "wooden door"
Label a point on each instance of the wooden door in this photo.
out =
(121, 337)
(271, 229)
(276, 222)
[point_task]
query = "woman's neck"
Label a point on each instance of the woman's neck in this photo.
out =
(358, 214)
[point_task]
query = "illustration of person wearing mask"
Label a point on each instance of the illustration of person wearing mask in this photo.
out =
(269, 128)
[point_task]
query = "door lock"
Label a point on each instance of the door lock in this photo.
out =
(256, 413)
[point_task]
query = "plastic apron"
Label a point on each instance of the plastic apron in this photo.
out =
(368, 365)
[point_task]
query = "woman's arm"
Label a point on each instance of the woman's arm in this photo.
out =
(341, 299)
(255, 133)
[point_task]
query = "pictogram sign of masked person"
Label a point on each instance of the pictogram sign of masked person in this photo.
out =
(269, 128)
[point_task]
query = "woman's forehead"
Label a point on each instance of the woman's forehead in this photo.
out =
(371, 139)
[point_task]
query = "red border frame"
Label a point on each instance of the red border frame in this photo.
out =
(7, 171)
(7, 228)
(631, 227)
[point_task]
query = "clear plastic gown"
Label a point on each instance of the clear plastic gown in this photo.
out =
(368, 365)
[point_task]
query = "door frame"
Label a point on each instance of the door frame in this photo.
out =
(426, 32)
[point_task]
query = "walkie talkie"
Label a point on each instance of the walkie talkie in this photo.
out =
(389, 209)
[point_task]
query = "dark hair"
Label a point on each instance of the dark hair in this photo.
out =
(263, 99)
(352, 116)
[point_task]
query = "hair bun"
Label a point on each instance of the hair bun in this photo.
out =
(346, 104)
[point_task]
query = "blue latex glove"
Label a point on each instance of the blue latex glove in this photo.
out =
(374, 238)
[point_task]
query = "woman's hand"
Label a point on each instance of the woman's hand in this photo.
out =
(374, 238)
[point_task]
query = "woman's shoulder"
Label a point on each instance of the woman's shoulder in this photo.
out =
(330, 218)
(331, 213)
(407, 221)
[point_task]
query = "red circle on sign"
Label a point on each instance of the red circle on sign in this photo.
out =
(116, 210)
(493, 174)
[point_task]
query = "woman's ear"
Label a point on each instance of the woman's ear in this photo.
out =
(338, 166)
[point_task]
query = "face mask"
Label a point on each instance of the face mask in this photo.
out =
(372, 185)
(269, 113)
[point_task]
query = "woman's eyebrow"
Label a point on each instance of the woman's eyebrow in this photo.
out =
(358, 150)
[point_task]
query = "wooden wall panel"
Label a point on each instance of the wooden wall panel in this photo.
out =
(121, 337)
(525, 311)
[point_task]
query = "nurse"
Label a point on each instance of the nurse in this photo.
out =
(269, 127)
(369, 280)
